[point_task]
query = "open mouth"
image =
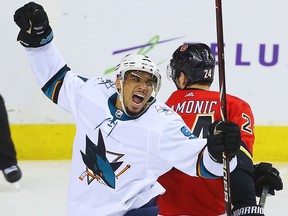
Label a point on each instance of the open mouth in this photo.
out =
(137, 99)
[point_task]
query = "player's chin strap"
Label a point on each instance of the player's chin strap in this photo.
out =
(120, 93)
(148, 104)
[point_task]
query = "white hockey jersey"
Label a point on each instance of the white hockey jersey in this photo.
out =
(116, 159)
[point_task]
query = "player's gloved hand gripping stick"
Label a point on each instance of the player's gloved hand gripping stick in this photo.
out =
(223, 137)
(267, 179)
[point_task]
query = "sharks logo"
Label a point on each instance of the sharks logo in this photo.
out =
(98, 166)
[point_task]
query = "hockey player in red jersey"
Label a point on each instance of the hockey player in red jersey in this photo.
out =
(192, 70)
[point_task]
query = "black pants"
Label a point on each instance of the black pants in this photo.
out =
(7, 149)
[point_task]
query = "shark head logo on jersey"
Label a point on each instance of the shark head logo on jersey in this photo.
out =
(97, 165)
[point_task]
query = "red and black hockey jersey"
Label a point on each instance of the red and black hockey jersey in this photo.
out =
(199, 196)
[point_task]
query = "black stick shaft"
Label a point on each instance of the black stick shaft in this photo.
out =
(222, 86)
(263, 196)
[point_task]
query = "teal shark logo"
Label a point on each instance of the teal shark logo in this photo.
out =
(97, 165)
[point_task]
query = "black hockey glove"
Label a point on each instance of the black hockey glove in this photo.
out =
(33, 22)
(223, 137)
(248, 211)
(265, 174)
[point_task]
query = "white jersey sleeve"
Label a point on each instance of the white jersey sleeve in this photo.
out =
(179, 148)
(50, 72)
(45, 61)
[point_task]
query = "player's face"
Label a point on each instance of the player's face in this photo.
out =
(137, 89)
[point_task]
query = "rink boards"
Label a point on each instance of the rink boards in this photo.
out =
(54, 142)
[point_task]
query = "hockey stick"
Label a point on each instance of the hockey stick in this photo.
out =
(263, 196)
(222, 86)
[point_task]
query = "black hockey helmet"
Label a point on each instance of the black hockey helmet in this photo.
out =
(196, 61)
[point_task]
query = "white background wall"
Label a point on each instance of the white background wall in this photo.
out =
(87, 33)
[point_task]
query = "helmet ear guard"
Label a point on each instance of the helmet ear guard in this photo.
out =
(196, 61)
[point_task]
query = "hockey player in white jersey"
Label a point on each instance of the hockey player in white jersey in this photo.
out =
(125, 139)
